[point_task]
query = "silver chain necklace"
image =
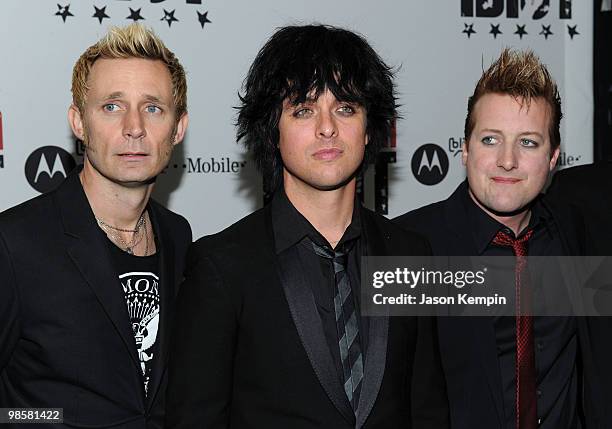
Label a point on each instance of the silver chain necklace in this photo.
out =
(112, 232)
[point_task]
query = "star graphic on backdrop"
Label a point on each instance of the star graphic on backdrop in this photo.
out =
(572, 31)
(495, 30)
(169, 17)
(203, 18)
(135, 15)
(468, 29)
(546, 31)
(520, 30)
(100, 14)
(63, 11)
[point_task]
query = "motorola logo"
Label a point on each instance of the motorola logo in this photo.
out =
(47, 167)
(430, 164)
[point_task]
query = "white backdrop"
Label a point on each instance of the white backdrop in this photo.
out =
(439, 48)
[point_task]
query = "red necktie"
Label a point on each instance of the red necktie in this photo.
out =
(526, 401)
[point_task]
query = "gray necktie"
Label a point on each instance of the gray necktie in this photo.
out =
(346, 323)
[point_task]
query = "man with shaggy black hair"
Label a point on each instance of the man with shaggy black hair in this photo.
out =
(269, 331)
(338, 61)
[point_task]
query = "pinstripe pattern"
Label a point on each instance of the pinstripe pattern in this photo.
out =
(346, 324)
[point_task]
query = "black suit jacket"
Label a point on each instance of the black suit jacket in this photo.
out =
(250, 352)
(467, 344)
(65, 335)
(584, 193)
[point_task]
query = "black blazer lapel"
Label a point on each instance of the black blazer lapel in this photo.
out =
(310, 329)
(378, 327)
(375, 363)
(90, 255)
(167, 292)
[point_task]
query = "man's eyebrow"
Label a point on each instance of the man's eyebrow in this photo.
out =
(153, 98)
(531, 133)
(524, 133)
(114, 95)
(147, 97)
(491, 130)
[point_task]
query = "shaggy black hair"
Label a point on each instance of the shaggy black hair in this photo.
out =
(299, 62)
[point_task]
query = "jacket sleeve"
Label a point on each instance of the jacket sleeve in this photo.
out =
(200, 373)
(429, 399)
(430, 409)
(9, 306)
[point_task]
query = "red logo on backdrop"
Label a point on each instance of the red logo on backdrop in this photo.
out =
(1, 144)
(386, 156)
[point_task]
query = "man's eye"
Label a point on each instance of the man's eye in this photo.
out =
(153, 109)
(489, 140)
(346, 109)
(303, 112)
(528, 143)
(110, 107)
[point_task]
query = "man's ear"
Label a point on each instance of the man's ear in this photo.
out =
(553, 159)
(76, 122)
(464, 152)
(181, 127)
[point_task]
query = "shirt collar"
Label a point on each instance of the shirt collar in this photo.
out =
(291, 227)
(484, 227)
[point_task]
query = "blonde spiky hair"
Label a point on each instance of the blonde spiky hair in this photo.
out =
(521, 75)
(132, 41)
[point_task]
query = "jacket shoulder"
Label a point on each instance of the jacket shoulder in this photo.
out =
(40, 209)
(423, 218)
(403, 240)
(236, 237)
(584, 175)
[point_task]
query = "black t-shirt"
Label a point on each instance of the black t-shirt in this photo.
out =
(140, 282)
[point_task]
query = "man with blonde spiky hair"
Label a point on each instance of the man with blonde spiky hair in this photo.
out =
(90, 270)
(507, 371)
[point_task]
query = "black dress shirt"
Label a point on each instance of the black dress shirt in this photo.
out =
(555, 341)
(291, 228)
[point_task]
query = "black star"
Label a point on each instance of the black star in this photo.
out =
(203, 18)
(135, 15)
(169, 17)
(520, 30)
(546, 31)
(63, 11)
(495, 31)
(100, 14)
(572, 31)
(468, 29)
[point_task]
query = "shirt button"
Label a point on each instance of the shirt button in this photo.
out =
(539, 393)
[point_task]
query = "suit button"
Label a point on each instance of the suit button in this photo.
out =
(540, 345)
(539, 393)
